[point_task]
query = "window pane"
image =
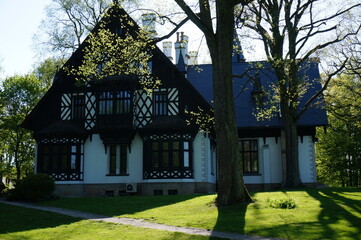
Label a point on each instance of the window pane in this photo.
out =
(63, 162)
(176, 159)
(64, 149)
(254, 163)
(55, 149)
(186, 145)
(155, 159)
(123, 159)
(186, 159)
(254, 145)
(246, 146)
(78, 107)
(160, 104)
(165, 159)
(155, 146)
(175, 145)
(73, 162)
(165, 146)
(73, 149)
(54, 162)
(112, 159)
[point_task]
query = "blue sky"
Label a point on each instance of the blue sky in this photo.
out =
(19, 21)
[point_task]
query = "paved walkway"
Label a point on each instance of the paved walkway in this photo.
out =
(137, 222)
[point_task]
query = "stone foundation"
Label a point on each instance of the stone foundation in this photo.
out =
(97, 190)
(119, 189)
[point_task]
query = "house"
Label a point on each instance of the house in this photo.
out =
(112, 137)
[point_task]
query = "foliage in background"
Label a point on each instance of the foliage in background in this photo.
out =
(18, 96)
(339, 148)
(46, 70)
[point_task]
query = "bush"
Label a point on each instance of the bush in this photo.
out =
(33, 188)
(284, 203)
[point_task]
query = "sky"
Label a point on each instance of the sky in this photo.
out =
(19, 21)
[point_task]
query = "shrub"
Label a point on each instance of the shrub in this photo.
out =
(33, 188)
(284, 203)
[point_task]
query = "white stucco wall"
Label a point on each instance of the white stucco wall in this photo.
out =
(95, 164)
(306, 153)
(270, 161)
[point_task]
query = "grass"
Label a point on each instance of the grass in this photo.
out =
(319, 214)
(20, 223)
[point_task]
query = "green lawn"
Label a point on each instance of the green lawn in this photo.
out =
(26, 224)
(320, 213)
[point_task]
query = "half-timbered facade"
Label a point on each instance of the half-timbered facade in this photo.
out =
(111, 137)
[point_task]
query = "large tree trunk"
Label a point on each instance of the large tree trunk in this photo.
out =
(230, 171)
(292, 172)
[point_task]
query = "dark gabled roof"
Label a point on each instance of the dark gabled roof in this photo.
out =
(244, 90)
(63, 127)
(39, 119)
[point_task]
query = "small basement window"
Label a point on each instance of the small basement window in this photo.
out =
(172, 192)
(158, 192)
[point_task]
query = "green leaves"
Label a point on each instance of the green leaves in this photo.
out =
(339, 148)
(116, 49)
(18, 95)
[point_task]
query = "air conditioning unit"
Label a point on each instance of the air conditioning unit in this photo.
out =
(131, 187)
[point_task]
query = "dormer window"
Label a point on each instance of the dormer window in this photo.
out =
(160, 104)
(78, 110)
(115, 102)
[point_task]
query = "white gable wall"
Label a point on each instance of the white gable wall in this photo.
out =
(270, 161)
(306, 153)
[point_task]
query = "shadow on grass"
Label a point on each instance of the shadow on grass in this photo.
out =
(231, 218)
(16, 219)
(116, 206)
(334, 209)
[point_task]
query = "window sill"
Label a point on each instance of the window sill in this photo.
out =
(117, 175)
(252, 174)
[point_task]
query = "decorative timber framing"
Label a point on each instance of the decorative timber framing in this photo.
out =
(62, 158)
(168, 156)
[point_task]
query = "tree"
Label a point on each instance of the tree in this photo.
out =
(339, 148)
(18, 95)
(292, 32)
(45, 71)
(220, 44)
(68, 22)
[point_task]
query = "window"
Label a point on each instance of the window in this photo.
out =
(118, 159)
(167, 157)
(249, 155)
(78, 107)
(170, 154)
(114, 103)
(160, 104)
(60, 157)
